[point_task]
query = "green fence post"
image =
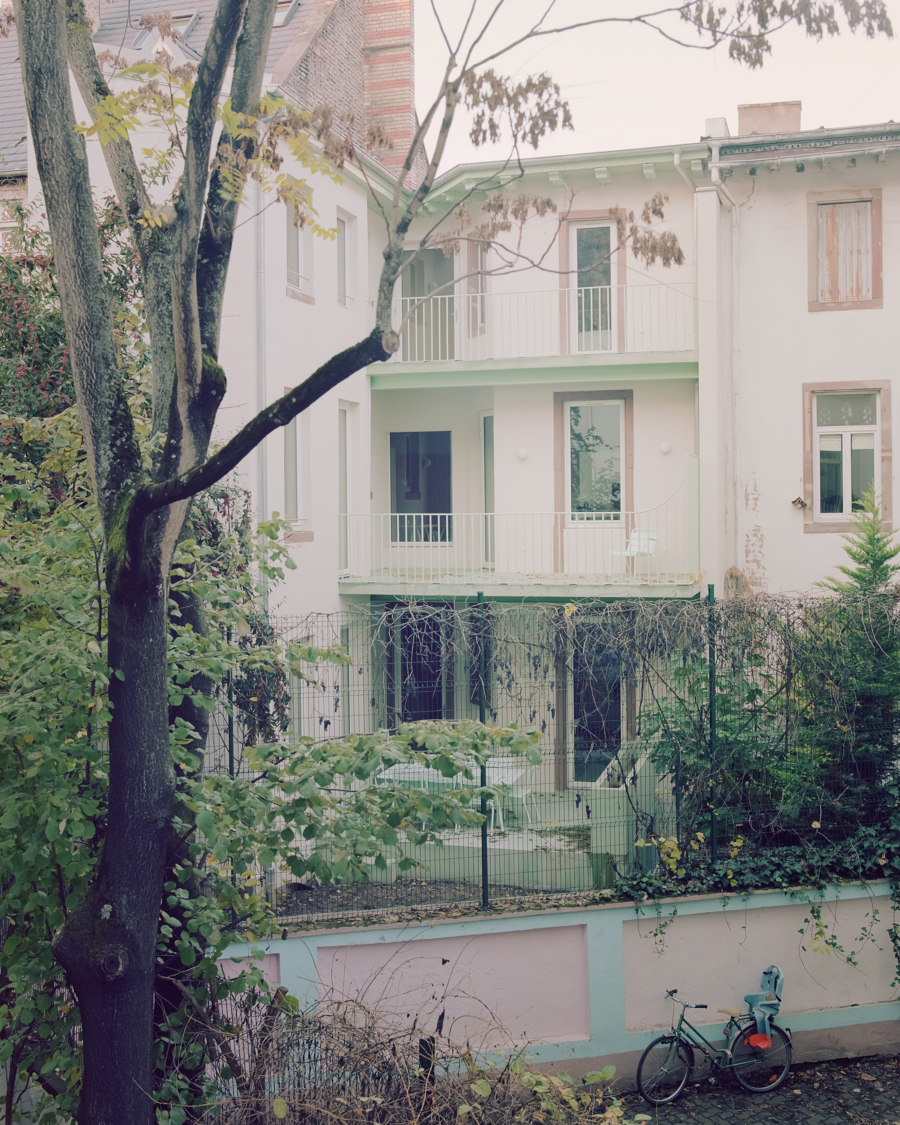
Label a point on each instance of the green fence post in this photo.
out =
(482, 715)
(713, 749)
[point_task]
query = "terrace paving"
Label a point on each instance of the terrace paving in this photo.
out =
(860, 1091)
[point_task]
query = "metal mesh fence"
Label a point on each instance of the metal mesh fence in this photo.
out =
(765, 720)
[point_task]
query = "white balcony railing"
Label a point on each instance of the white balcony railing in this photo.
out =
(558, 322)
(655, 547)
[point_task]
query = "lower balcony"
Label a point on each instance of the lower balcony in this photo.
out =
(649, 553)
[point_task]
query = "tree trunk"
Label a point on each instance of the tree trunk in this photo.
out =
(108, 946)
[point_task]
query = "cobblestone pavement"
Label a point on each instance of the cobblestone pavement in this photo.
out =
(862, 1091)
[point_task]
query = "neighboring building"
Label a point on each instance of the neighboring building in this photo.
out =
(809, 223)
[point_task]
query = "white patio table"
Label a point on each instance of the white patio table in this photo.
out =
(505, 772)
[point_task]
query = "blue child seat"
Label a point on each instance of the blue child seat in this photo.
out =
(764, 1005)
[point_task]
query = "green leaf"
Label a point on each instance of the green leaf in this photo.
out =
(280, 1108)
(481, 1087)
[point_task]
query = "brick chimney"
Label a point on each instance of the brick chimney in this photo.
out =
(769, 117)
(388, 72)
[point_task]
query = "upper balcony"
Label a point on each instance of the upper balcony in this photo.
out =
(600, 321)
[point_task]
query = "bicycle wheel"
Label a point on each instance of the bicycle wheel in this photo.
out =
(664, 1069)
(758, 1067)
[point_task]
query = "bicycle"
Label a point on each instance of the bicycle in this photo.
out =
(758, 1059)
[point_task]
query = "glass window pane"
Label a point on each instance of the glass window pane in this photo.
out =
(595, 457)
(831, 474)
(597, 706)
(421, 486)
(862, 467)
(847, 410)
(593, 248)
(341, 241)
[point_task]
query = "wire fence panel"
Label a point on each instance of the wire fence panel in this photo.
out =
(764, 721)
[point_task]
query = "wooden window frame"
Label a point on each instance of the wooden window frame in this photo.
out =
(813, 523)
(813, 201)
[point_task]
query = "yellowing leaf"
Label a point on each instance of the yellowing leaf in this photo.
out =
(280, 1108)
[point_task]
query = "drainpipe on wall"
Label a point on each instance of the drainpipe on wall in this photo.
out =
(262, 476)
(733, 343)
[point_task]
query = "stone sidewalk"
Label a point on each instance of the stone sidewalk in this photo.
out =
(862, 1091)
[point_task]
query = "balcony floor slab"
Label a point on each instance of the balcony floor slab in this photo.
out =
(521, 586)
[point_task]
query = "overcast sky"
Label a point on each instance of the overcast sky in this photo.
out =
(629, 88)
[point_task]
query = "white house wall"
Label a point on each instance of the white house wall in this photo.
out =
(274, 337)
(781, 346)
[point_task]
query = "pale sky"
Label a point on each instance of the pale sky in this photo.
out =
(629, 88)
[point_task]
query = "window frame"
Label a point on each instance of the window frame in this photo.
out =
(413, 627)
(346, 280)
(813, 201)
(298, 272)
(568, 280)
(562, 485)
(582, 518)
(433, 528)
(813, 521)
(476, 286)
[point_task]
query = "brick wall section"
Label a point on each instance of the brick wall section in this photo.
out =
(356, 56)
(330, 71)
(388, 64)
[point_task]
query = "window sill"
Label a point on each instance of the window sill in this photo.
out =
(840, 527)
(299, 295)
(299, 536)
(846, 306)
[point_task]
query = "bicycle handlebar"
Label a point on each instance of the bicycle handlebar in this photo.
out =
(671, 993)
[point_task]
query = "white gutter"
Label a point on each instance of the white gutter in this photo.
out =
(679, 168)
(733, 342)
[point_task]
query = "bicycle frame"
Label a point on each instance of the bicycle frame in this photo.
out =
(719, 1057)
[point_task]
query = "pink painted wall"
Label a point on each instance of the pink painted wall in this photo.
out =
(496, 989)
(715, 958)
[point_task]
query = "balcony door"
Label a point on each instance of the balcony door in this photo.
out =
(594, 438)
(421, 491)
(597, 706)
(593, 296)
(429, 334)
(487, 451)
(420, 663)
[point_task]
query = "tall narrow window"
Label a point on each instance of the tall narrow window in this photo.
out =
(596, 705)
(594, 462)
(343, 488)
(420, 668)
(487, 449)
(845, 251)
(299, 255)
(291, 473)
(341, 247)
(846, 442)
(594, 296)
(421, 499)
(476, 268)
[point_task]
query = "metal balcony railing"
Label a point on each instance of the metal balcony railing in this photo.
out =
(654, 547)
(558, 322)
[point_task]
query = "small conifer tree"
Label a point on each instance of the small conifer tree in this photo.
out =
(854, 714)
